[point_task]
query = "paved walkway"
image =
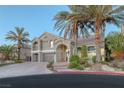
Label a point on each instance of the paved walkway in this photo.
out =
(23, 69)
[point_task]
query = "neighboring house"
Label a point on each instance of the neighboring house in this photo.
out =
(1, 56)
(49, 47)
(90, 43)
(25, 53)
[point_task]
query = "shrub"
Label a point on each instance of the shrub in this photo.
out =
(18, 61)
(118, 54)
(103, 62)
(74, 61)
(84, 51)
(73, 64)
(74, 58)
(6, 51)
(78, 63)
(94, 59)
(83, 60)
(50, 64)
(80, 67)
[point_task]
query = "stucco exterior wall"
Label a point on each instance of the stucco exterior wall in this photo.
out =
(44, 49)
(44, 42)
(45, 52)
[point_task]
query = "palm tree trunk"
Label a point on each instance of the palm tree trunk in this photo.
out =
(75, 36)
(98, 53)
(76, 47)
(103, 41)
(98, 41)
(18, 53)
(19, 47)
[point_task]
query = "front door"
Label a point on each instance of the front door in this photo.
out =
(61, 53)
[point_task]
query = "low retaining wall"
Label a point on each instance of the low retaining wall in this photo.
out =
(6, 62)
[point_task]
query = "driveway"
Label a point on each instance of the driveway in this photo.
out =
(23, 69)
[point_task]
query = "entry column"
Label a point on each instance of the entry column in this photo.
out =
(38, 50)
(55, 56)
(39, 57)
(32, 57)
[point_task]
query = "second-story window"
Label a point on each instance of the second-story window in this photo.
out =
(51, 44)
(91, 48)
(35, 46)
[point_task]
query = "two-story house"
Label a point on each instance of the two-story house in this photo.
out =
(49, 47)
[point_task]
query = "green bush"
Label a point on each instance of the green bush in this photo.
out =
(94, 59)
(50, 64)
(74, 61)
(74, 58)
(18, 61)
(80, 67)
(83, 60)
(103, 62)
(84, 55)
(78, 63)
(73, 64)
(84, 51)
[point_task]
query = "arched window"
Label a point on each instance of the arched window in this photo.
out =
(51, 44)
(35, 46)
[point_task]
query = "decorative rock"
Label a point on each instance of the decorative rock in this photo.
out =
(107, 68)
(90, 62)
(87, 69)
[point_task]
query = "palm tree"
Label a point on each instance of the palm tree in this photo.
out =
(71, 24)
(101, 15)
(19, 36)
(6, 51)
(115, 43)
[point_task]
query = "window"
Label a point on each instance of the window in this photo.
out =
(91, 48)
(51, 44)
(41, 45)
(35, 46)
(78, 49)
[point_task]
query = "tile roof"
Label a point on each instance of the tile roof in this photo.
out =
(88, 41)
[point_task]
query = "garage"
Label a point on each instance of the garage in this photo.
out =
(47, 57)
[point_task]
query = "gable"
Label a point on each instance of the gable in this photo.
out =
(48, 36)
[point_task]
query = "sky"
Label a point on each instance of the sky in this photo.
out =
(35, 19)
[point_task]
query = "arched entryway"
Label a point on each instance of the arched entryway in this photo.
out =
(35, 46)
(61, 53)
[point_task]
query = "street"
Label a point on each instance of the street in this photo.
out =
(64, 81)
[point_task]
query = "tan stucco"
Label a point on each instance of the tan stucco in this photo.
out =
(45, 47)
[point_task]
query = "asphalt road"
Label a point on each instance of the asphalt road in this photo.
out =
(64, 81)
